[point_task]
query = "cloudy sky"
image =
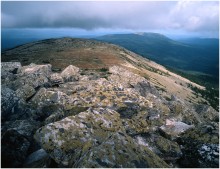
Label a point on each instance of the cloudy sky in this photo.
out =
(192, 17)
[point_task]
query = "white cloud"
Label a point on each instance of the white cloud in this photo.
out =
(196, 15)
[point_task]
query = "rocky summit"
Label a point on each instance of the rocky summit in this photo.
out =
(104, 118)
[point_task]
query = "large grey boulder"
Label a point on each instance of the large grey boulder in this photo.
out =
(94, 138)
(11, 67)
(33, 75)
(173, 128)
(56, 79)
(35, 69)
(71, 73)
(25, 92)
(131, 80)
(125, 77)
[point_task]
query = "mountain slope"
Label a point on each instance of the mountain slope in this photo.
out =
(90, 54)
(198, 56)
(117, 110)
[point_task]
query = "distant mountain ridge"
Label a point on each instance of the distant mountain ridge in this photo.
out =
(191, 55)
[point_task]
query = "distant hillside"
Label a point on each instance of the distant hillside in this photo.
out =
(195, 57)
(212, 42)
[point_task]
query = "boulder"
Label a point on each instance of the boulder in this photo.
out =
(120, 151)
(198, 154)
(125, 77)
(129, 79)
(94, 138)
(206, 113)
(8, 72)
(209, 155)
(200, 146)
(33, 75)
(11, 67)
(35, 69)
(71, 73)
(22, 110)
(205, 133)
(56, 79)
(45, 97)
(25, 92)
(164, 148)
(137, 125)
(174, 128)
(8, 101)
(25, 128)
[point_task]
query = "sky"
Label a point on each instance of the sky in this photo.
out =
(199, 18)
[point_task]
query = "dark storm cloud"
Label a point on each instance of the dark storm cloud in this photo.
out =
(186, 16)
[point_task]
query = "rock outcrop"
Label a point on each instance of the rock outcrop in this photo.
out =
(71, 120)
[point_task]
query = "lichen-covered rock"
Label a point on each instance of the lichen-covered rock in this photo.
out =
(22, 110)
(200, 145)
(198, 154)
(45, 97)
(8, 72)
(32, 75)
(120, 151)
(8, 101)
(129, 79)
(38, 159)
(100, 119)
(209, 155)
(124, 76)
(206, 133)
(86, 140)
(35, 69)
(11, 67)
(174, 128)
(71, 73)
(207, 113)
(25, 92)
(56, 79)
(26, 127)
(138, 124)
(164, 148)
